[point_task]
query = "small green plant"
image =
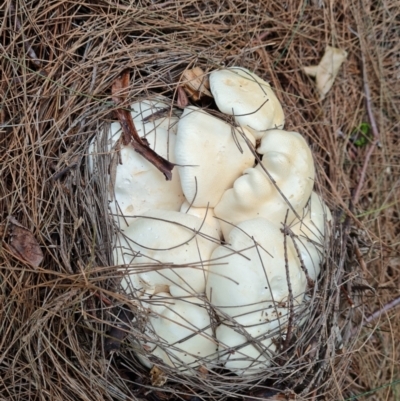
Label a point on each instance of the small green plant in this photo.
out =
(361, 135)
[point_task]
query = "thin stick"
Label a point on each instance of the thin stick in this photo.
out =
(130, 135)
(31, 53)
(364, 172)
(374, 127)
(293, 236)
(290, 300)
(368, 99)
(359, 257)
(377, 314)
(61, 173)
(102, 298)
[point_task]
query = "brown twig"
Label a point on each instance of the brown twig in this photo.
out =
(60, 174)
(161, 113)
(364, 171)
(293, 236)
(130, 135)
(359, 257)
(102, 298)
(28, 47)
(374, 127)
(377, 314)
(347, 296)
(290, 297)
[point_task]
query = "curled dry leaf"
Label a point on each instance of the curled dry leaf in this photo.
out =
(196, 83)
(21, 242)
(182, 100)
(327, 69)
(157, 376)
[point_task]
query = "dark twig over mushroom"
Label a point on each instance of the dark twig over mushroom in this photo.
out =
(130, 135)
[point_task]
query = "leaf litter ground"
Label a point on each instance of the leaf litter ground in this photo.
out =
(58, 62)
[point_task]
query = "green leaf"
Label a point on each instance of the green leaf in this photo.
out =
(361, 136)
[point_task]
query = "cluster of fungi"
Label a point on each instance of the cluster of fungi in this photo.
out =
(221, 256)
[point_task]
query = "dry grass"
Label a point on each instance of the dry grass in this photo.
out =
(57, 68)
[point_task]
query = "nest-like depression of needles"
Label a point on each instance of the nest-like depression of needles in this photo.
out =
(59, 61)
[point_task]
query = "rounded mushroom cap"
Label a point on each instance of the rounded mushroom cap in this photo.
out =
(248, 98)
(211, 155)
(181, 331)
(248, 286)
(312, 232)
(166, 248)
(249, 274)
(155, 113)
(244, 201)
(204, 213)
(288, 159)
(245, 350)
(138, 185)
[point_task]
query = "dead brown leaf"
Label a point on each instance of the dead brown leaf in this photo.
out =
(182, 100)
(157, 376)
(196, 83)
(21, 242)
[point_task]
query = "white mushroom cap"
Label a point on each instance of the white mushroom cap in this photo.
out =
(312, 231)
(206, 214)
(245, 278)
(182, 331)
(246, 350)
(146, 109)
(288, 159)
(166, 248)
(244, 201)
(249, 98)
(248, 287)
(139, 186)
(211, 155)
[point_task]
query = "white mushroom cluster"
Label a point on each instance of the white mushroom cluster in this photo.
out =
(222, 254)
